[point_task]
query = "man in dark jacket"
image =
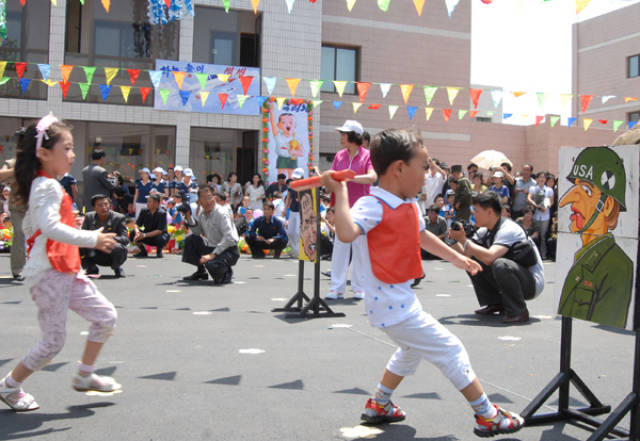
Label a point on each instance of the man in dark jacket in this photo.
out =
(95, 178)
(462, 198)
(104, 217)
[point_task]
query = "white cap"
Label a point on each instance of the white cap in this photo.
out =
(297, 173)
(158, 170)
(187, 172)
(145, 170)
(351, 126)
(177, 168)
(498, 174)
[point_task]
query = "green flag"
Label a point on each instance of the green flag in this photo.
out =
(553, 119)
(164, 94)
(616, 124)
(84, 87)
(89, 71)
(384, 5)
(202, 77)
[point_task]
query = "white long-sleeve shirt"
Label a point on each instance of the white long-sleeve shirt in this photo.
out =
(43, 214)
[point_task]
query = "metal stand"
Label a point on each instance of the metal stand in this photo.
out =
(316, 305)
(568, 376)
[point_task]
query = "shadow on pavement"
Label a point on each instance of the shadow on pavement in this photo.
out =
(395, 432)
(24, 425)
(476, 320)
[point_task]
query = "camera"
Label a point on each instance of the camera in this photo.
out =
(468, 227)
(184, 208)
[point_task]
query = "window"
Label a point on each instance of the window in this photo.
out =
(485, 119)
(633, 66)
(633, 116)
(231, 39)
(339, 63)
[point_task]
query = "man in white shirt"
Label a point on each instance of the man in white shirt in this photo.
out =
(521, 190)
(434, 179)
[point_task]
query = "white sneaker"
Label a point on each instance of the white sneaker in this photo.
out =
(333, 295)
(358, 295)
(16, 398)
(95, 382)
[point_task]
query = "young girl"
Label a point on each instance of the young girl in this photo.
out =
(45, 153)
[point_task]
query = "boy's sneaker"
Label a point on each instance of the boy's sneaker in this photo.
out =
(374, 413)
(95, 382)
(333, 295)
(358, 295)
(503, 422)
(16, 398)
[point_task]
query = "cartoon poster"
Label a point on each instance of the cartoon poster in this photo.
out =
(287, 137)
(308, 225)
(598, 234)
(208, 88)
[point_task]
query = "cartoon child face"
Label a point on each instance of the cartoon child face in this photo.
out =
(286, 124)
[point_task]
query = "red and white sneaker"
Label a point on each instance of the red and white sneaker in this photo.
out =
(503, 422)
(334, 295)
(374, 413)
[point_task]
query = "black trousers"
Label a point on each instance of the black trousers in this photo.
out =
(159, 241)
(219, 268)
(114, 260)
(505, 283)
(257, 246)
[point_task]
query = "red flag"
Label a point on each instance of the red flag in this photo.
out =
(374, 106)
(539, 119)
(296, 101)
(223, 98)
(475, 96)
(246, 82)
(168, 3)
(133, 75)
(363, 90)
(446, 113)
(584, 101)
(144, 91)
(20, 68)
(22, 2)
(603, 121)
(64, 85)
(472, 113)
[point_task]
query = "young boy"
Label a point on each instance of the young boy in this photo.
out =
(399, 159)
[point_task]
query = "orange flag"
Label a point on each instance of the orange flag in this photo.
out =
(255, 4)
(475, 96)
(446, 113)
(584, 101)
(419, 4)
(179, 76)
(292, 82)
(66, 71)
(406, 91)
(106, 4)
(518, 93)
(472, 113)
(246, 82)
(363, 90)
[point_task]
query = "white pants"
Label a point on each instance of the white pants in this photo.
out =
(293, 231)
(340, 266)
(139, 207)
(423, 336)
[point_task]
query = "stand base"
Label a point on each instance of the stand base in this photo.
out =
(315, 306)
(300, 297)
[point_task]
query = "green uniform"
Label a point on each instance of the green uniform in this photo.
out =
(463, 196)
(598, 286)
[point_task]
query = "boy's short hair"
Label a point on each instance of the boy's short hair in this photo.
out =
(488, 199)
(96, 198)
(284, 114)
(220, 195)
(434, 208)
(277, 194)
(392, 145)
(269, 204)
(98, 154)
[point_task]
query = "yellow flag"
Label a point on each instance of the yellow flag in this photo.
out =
(587, 123)
(242, 99)
(406, 91)
(179, 76)
(356, 106)
(255, 4)
(125, 92)
(3, 65)
(428, 111)
(630, 98)
(110, 73)
(350, 4)
(203, 97)
(293, 85)
(565, 99)
(419, 4)
(106, 4)
(50, 82)
(280, 101)
(581, 4)
(340, 85)
(452, 92)
(55, 2)
(223, 77)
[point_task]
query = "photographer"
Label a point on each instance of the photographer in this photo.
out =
(512, 267)
(213, 246)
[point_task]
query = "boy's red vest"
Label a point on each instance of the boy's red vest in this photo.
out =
(394, 245)
(63, 257)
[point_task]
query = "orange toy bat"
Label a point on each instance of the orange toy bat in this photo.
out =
(316, 181)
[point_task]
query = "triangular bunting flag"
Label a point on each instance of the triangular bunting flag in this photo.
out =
(603, 121)
(106, 4)
(290, 5)
(261, 100)
(429, 92)
(50, 82)
(384, 5)
(631, 124)
(628, 99)
(472, 113)
(539, 119)
(452, 93)
(411, 111)
(167, 3)
(518, 93)
(125, 90)
(202, 78)
(316, 103)
(565, 99)
(3, 65)
(606, 98)
(363, 90)
(24, 85)
(475, 96)
(581, 4)
(133, 75)
(88, 73)
(179, 76)
(293, 85)
(45, 71)
(270, 82)
(490, 112)
(337, 104)
(451, 6)
(223, 77)
(553, 120)
(66, 71)
(226, 4)
(356, 106)
(223, 99)
(446, 114)
(584, 102)
(541, 99)
(84, 88)
(242, 99)
(392, 110)
(4, 80)
(254, 4)
(104, 91)
(203, 97)
(616, 124)
(571, 120)
(428, 111)
(110, 73)
(587, 123)
(350, 4)
(496, 96)
(419, 4)
(374, 106)
(185, 94)
(406, 89)
(340, 85)
(315, 87)
(64, 85)
(280, 101)
(20, 68)
(246, 82)
(384, 89)
(164, 94)
(462, 113)
(155, 76)
(507, 115)
(144, 91)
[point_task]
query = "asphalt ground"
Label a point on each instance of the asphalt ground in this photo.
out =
(199, 362)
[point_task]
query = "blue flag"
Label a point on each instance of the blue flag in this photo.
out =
(411, 110)
(24, 84)
(337, 104)
(184, 94)
(104, 90)
(571, 121)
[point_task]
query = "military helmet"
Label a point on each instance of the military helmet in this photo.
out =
(603, 168)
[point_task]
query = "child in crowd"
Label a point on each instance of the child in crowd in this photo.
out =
(279, 208)
(45, 153)
(399, 159)
(449, 210)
